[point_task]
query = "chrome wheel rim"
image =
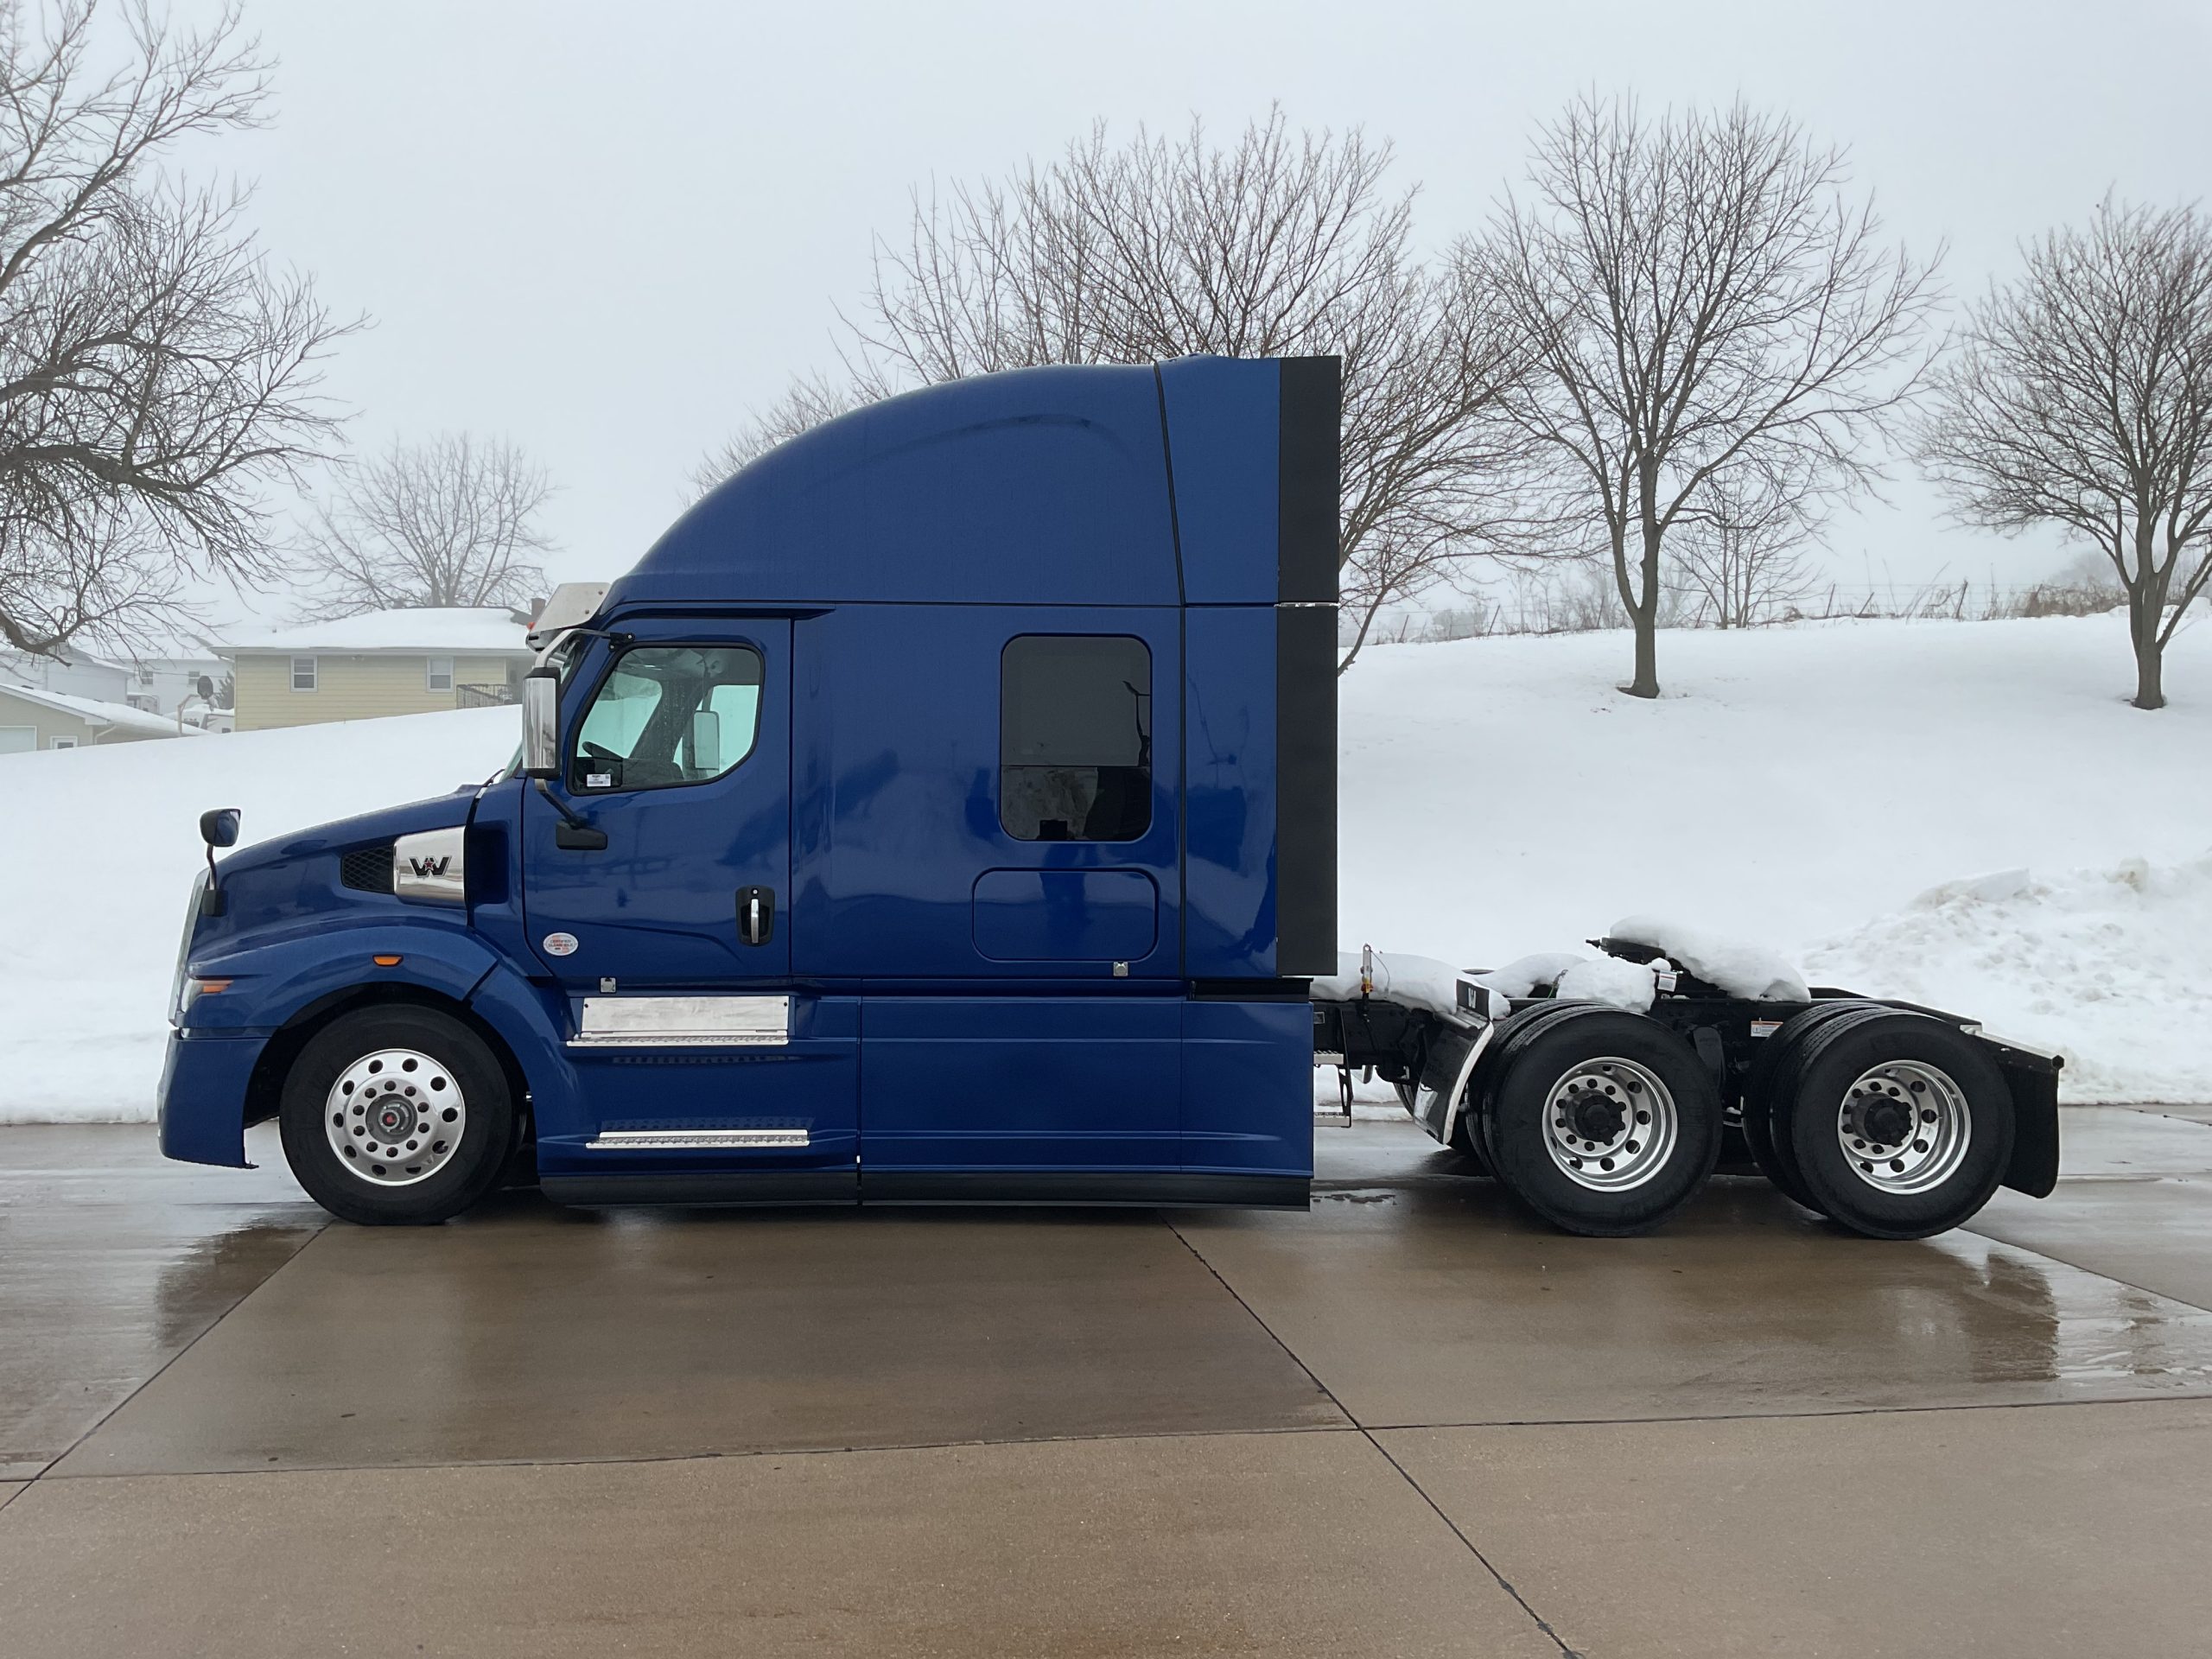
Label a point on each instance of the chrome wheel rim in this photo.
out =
(1611, 1125)
(395, 1118)
(1904, 1126)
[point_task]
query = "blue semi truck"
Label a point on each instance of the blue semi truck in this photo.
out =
(943, 811)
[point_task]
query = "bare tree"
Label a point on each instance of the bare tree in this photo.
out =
(1698, 299)
(1744, 553)
(1281, 245)
(2082, 399)
(155, 375)
(452, 522)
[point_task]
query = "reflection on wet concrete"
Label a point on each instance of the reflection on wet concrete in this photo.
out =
(527, 1332)
(1419, 1294)
(111, 1261)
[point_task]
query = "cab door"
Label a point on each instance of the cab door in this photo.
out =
(677, 755)
(656, 889)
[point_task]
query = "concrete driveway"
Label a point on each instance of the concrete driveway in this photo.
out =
(1410, 1422)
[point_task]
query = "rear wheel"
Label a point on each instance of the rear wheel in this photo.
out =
(1899, 1125)
(1602, 1122)
(397, 1114)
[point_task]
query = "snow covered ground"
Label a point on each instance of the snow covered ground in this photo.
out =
(1803, 787)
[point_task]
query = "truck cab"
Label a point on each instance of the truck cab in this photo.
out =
(943, 811)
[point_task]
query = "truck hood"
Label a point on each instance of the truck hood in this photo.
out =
(440, 812)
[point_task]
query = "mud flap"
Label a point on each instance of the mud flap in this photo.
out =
(1443, 1087)
(2033, 1081)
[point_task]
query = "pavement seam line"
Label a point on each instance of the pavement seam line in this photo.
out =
(2197, 1396)
(1366, 1434)
(617, 1461)
(162, 1370)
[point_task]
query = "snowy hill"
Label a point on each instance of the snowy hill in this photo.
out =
(1802, 786)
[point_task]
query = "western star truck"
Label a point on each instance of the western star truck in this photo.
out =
(943, 811)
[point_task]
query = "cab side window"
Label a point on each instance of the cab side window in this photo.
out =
(666, 715)
(1075, 737)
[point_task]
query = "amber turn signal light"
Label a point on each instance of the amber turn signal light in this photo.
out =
(385, 962)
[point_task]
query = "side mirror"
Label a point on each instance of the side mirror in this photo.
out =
(706, 742)
(541, 723)
(219, 828)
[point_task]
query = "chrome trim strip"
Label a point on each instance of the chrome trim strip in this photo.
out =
(683, 1022)
(678, 1139)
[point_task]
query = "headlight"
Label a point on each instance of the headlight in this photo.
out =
(177, 999)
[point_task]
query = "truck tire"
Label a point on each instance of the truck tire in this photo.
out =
(1900, 1126)
(397, 1115)
(1603, 1123)
(1514, 1035)
(1769, 1090)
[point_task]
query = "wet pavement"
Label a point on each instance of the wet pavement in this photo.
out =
(1410, 1421)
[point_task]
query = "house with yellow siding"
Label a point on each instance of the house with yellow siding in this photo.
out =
(414, 661)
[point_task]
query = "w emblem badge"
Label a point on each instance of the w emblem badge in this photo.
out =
(428, 867)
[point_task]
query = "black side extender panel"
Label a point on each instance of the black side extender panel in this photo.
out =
(1305, 667)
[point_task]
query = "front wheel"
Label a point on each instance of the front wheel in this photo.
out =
(1604, 1122)
(397, 1115)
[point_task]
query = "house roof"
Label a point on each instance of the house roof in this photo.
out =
(399, 634)
(92, 709)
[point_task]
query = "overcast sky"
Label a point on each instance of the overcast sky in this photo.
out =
(607, 230)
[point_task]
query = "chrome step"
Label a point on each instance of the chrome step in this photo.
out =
(681, 1139)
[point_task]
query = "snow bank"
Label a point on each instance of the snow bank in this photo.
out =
(100, 846)
(2110, 967)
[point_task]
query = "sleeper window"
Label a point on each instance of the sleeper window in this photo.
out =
(668, 714)
(1075, 737)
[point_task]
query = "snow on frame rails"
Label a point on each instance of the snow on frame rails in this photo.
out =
(1604, 1092)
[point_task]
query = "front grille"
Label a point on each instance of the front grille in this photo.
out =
(367, 868)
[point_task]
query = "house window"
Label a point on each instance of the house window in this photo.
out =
(1075, 737)
(145, 673)
(440, 672)
(303, 673)
(61, 743)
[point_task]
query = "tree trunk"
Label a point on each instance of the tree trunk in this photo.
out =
(2146, 605)
(1644, 614)
(2150, 657)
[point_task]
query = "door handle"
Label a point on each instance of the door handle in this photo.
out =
(756, 914)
